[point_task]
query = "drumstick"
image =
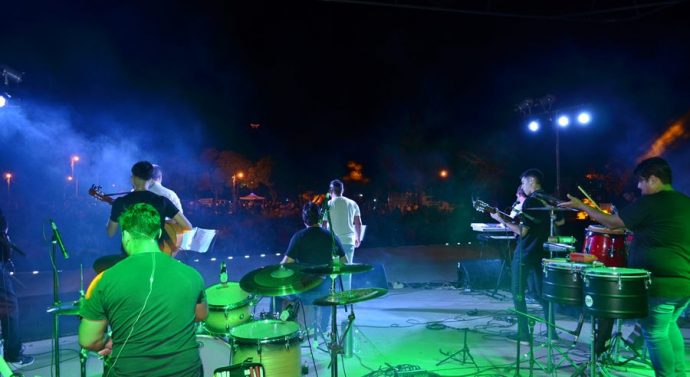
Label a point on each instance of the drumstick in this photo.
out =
(589, 197)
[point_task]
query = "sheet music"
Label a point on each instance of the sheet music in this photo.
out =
(198, 239)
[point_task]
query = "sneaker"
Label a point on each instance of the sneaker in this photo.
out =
(24, 360)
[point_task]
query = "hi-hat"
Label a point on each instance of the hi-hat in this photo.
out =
(350, 297)
(279, 280)
(337, 268)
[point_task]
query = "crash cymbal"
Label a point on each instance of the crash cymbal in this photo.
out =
(555, 209)
(350, 297)
(328, 269)
(279, 280)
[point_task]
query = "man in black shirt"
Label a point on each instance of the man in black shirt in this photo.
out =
(660, 221)
(532, 232)
(314, 245)
(142, 173)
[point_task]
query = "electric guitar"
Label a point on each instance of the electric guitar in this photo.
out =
(174, 231)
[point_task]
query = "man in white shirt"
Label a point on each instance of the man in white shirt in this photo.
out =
(157, 188)
(346, 221)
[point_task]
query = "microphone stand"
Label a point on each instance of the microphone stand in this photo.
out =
(55, 309)
(334, 347)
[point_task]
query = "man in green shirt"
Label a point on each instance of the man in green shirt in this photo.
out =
(150, 301)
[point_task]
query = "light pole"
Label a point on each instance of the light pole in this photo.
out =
(73, 160)
(235, 177)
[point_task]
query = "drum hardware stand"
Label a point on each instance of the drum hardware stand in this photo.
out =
(55, 308)
(530, 324)
(464, 351)
(550, 342)
(617, 341)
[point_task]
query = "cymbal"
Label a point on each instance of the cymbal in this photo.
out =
(350, 297)
(555, 209)
(337, 269)
(279, 280)
(66, 308)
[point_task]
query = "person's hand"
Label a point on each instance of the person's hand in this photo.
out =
(496, 216)
(107, 349)
(357, 242)
(572, 203)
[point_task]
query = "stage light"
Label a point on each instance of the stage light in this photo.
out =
(3, 101)
(563, 121)
(533, 126)
(584, 118)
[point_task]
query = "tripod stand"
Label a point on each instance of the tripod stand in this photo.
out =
(464, 351)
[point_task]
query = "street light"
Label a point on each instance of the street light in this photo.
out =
(235, 177)
(73, 160)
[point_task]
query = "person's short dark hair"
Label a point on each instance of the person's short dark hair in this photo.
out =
(654, 166)
(520, 192)
(533, 173)
(141, 221)
(337, 186)
(157, 172)
(143, 170)
(311, 213)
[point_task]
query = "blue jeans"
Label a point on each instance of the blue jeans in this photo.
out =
(663, 336)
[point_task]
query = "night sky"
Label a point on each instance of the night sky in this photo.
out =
(405, 92)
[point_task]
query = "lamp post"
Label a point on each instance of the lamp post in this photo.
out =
(72, 161)
(235, 177)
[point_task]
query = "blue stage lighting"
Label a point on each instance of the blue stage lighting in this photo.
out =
(584, 118)
(533, 126)
(3, 101)
(563, 121)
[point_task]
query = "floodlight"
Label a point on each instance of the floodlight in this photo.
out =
(584, 118)
(563, 121)
(533, 126)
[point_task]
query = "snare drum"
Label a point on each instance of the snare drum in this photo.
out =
(273, 343)
(214, 353)
(611, 292)
(608, 245)
(563, 281)
(228, 306)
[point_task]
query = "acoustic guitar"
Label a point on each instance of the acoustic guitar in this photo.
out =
(174, 231)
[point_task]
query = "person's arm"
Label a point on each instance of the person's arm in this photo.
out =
(181, 220)
(609, 221)
(287, 259)
(111, 228)
(201, 311)
(515, 228)
(92, 334)
(358, 230)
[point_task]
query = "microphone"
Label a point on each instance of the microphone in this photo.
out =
(223, 273)
(58, 239)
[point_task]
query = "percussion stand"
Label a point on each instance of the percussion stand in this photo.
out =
(595, 368)
(334, 347)
(617, 341)
(55, 308)
(551, 345)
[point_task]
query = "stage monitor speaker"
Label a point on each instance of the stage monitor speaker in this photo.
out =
(482, 274)
(376, 278)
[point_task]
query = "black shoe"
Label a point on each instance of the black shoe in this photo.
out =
(24, 360)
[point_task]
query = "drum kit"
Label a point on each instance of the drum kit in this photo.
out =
(603, 288)
(231, 332)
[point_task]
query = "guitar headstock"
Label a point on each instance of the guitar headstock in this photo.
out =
(97, 192)
(482, 206)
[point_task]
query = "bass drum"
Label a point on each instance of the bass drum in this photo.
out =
(214, 352)
(273, 343)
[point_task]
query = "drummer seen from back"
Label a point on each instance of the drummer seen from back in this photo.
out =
(660, 220)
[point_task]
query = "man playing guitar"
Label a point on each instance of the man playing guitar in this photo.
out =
(142, 173)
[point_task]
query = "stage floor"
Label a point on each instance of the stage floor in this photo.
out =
(409, 328)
